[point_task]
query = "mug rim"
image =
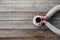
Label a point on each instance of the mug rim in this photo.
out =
(34, 20)
(40, 20)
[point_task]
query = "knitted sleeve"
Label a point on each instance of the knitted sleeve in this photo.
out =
(53, 28)
(52, 11)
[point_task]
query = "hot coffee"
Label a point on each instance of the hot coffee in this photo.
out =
(38, 19)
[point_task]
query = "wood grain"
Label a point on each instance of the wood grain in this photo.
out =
(15, 15)
(26, 7)
(11, 39)
(22, 20)
(30, 1)
(26, 33)
(25, 16)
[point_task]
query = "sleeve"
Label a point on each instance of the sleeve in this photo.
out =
(53, 28)
(52, 11)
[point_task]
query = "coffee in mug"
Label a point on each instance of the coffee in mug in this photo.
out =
(37, 20)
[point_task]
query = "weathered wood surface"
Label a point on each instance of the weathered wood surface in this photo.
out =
(27, 5)
(18, 14)
(30, 1)
(17, 20)
(24, 16)
(39, 38)
(16, 24)
(21, 20)
(26, 33)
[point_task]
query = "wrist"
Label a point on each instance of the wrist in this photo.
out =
(45, 18)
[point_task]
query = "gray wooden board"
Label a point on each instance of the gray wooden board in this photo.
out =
(17, 20)
(18, 15)
(29, 1)
(25, 16)
(17, 25)
(26, 7)
(26, 33)
(24, 25)
(56, 24)
(22, 20)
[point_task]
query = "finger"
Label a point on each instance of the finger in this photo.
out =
(44, 21)
(41, 23)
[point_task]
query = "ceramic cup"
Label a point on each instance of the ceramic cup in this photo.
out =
(37, 20)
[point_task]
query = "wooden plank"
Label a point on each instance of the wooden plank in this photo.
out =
(41, 38)
(14, 33)
(48, 1)
(26, 33)
(30, 1)
(29, 38)
(17, 1)
(21, 20)
(19, 15)
(44, 7)
(17, 20)
(15, 7)
(26, 7)
(24, 25)
(33, 38)
(11, 20)
(19, 25)
(56, 24)
(53, 38)
(55, 18)
(25, 16)
(10, 38)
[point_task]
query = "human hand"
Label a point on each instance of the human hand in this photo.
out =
(43, 21)
(38, 20)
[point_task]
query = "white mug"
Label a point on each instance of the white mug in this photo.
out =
(37, 20)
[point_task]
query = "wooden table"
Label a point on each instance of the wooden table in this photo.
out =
(17, 15)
